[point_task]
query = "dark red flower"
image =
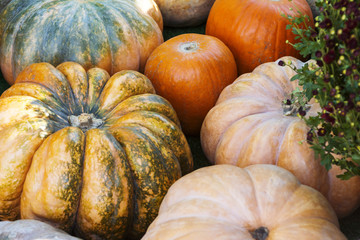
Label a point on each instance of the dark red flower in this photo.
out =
(352, 43)
(327, 77)
(333, 92)
(328, 118)
(281, 63)
(318, 54)
(329, 108)
(309, 136)
(326, 23)
(351, 24)
(339, 105)
(329, 57)
(321, 132)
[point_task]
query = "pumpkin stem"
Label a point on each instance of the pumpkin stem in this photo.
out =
(260, 233)
(189, 46)
(294, 107)
(85, 121)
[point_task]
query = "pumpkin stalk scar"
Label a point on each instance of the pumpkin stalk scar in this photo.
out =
(294, 108)
(260, 233)
(85, 121)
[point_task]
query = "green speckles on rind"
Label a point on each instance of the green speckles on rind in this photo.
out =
(97, 79)
(163, 129)
(143, 102)
(120, 86)
(113, 35)
(52, 187)
(152, 175)
(19, 108)
(15, 159)
(106, 205)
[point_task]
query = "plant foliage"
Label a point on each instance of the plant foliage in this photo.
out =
(332, 78)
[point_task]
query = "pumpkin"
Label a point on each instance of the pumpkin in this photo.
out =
(29, 229)
(81, 150)
(255, 31)
(190, 70)
(231, 203)
(251, 124)
(184, 13)
(3, 4)
(113, 35)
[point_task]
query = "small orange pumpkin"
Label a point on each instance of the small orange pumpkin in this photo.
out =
(190, 71)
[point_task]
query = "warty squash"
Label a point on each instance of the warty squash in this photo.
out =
(111, 34)
(258, 202)
(251, 123)
(88, 153)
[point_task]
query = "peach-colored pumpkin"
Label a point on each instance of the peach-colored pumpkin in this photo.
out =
(248, 126)
(225, 202)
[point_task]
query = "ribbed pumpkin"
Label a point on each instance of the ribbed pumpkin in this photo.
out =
(251, 124)
(255, 30)
(190, 70)
(111, 34)
(184, 13)
(86, 152)
(229, 203)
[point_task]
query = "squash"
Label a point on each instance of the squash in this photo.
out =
(29, 229)
(231, 203)
(3, 4)
(184, 13)
(251, 124)
(190, 70)
(255, 31)
(85, 151)
(113, 35)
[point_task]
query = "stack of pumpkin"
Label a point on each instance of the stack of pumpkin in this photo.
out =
(94, 125)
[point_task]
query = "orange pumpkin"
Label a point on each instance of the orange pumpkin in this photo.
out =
(255, 31)
(190, 71)
(250, 124)
(230, 203)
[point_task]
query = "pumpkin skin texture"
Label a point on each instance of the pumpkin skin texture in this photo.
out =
(190, 70)
(184, 13)
(231, 203)
(29, 229)
(113, 35)
(86, 152)
(255, 31)
(248, 125)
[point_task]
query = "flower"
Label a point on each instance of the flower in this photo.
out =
(329, 57)
(334, 45)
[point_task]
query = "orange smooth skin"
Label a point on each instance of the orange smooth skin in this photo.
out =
(254, 30)
(248, 126)
(225, 202)
(191, 80)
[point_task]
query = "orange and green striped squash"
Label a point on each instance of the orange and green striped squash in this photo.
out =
(88, 153)
(111, 34)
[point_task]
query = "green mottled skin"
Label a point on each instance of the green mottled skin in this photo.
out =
(105, 182)
(143, 102)
(110, 171)
(92, 33)
(151, 176)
